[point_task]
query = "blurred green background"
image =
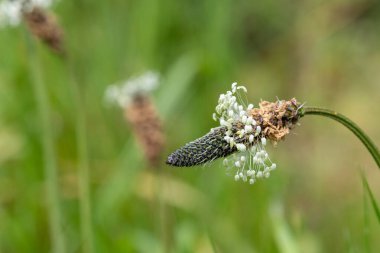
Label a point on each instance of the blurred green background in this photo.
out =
(326, 53)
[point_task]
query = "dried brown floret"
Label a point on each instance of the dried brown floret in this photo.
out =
(276, 118)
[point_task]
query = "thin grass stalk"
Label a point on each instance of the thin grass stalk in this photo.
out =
(368, 143)
(84, 169)
(366, 229)
(212, 242)
(372, 198)
(50, 163)
(164, 221)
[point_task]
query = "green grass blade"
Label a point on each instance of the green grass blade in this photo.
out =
(375, 206)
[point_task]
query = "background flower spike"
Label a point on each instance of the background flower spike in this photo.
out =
(45, 27)
(133, 96)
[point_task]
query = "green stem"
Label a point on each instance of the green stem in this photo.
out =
(83, 170)
(368, 143)
(50, 163)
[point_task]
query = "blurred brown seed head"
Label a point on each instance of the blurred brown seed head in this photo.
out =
(44, 26)
(147, 127)
(133, 96)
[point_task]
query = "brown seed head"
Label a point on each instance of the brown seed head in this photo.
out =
(146, 124)
(44, 26)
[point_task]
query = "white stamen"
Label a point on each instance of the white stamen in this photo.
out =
(248, 128)
(242, 88)
(258, 130)
(244, 119)
(241, 147)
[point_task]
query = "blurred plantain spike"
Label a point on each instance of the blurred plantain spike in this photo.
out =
(133, 96)
(146, 124)
(44, 26)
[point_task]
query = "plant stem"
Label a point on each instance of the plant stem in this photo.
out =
(371, 197)
(368, 143)
(50, 163)
(162, 217)
(83, 170)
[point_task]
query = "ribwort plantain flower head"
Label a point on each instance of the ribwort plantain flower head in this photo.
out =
(242, 135)
(133, 96)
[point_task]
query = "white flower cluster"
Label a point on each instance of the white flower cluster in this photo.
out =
(251, 162)
(11, 10)
(123, 93)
